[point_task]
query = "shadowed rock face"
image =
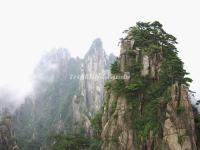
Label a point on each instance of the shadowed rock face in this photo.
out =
(178, 127)
(7, 135)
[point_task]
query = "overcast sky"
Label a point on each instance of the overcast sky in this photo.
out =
(29, 27)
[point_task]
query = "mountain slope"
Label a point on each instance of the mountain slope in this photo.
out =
(152, 109)
(62, 103)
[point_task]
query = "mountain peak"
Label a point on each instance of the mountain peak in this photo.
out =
(96, 47)
(97, 42)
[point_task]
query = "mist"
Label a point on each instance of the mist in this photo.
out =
(10, 98)
(32, 28)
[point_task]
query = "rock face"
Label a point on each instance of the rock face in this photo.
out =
(116, 127)
(179, 127)
(94, 70)
(175, 115)
(48, 109)
(66, 95)
(116, 120)
(7, 134)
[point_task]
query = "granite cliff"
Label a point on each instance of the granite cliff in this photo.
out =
(151, 110)
(89, 100)
(66, 96)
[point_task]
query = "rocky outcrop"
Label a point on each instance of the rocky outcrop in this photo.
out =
(117, 128)
(7, 134)
(179, 127)
(120, 117)
(67, 93)
(94, 71)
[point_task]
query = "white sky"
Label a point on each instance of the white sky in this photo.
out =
(28, 27)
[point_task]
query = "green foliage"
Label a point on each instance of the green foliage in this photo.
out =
(79, 141)
(135, 68)
(151, 36)
(75, 142)
(172, 71)
(95, 142)
(135, 85)
(148, 121)
(118, 86)
(149, 95)
(97, 124)
(153, 49)
(115, 68)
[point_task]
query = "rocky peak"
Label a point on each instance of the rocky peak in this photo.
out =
(89, 100)
(61, 100)
(96, 50)
(51, 67)
(97, 46)
(151, 110)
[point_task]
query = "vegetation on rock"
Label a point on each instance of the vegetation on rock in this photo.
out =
(148, 95)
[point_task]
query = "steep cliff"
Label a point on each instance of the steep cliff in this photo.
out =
(65, 98)
(179, 127)
(152, 109)
(48, 109)
(94, 70)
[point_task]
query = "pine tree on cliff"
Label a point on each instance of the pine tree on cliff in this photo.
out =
(137, 112)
